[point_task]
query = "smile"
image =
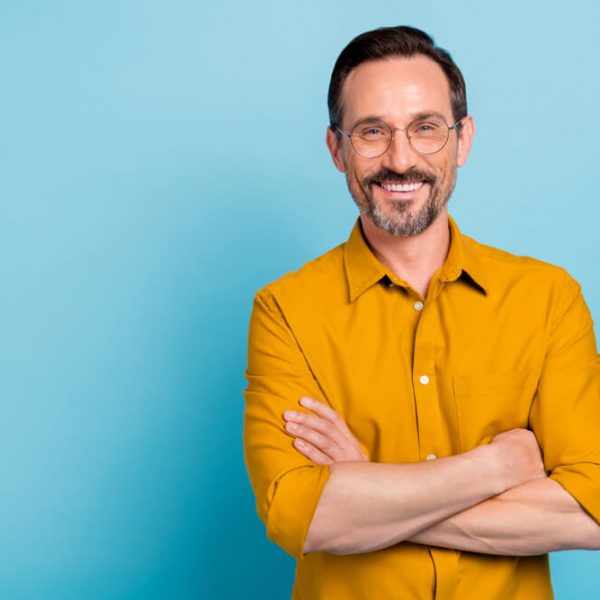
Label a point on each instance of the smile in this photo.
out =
(402, 187)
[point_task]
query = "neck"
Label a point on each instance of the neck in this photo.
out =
(413, 259)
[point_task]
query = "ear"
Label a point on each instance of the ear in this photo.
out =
(465, 140)
(335, 149)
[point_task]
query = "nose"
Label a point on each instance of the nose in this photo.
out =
(400, 156)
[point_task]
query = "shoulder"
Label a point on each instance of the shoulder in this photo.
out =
(322, 277)
(506, 270)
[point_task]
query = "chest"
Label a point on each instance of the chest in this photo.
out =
(415, 379)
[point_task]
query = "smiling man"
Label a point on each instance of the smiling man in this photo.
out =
(422, 411)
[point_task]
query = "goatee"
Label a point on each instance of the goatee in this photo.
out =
(400, 219)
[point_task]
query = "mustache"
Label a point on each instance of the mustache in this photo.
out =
(388, 175)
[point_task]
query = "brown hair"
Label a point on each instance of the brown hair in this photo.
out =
(387, 42)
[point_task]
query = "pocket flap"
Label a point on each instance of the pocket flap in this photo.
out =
(480, 384)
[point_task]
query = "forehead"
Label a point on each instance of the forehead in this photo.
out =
(396, 89)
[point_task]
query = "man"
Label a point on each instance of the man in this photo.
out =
(423, 411)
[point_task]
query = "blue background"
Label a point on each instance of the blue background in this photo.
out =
(161, 161)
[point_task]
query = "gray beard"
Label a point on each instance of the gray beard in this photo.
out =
(408, 225)
(402, 223)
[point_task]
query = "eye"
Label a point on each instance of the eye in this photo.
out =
(426, 127)
(371, 132)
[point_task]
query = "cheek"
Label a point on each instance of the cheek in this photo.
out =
(444, 169)
(353, 174)
(358, 170)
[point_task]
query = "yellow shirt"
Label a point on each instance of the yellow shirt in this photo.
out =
(499, 342)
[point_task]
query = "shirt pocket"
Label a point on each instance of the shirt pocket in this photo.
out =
(489, 403)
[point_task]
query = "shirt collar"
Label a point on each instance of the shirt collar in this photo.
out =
(363, 269)
(462, 261)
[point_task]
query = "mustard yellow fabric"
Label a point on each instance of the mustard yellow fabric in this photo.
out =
(504, 341)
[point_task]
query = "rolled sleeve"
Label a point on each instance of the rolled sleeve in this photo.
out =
(566, 413)
(287, 485)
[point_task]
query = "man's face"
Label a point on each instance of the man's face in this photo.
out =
(401, 192)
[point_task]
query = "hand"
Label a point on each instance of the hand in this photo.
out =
(519, 455)
(322, 437)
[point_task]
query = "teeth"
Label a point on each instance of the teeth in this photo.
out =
(402, 187)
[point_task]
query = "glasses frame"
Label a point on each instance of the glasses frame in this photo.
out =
(393, 130)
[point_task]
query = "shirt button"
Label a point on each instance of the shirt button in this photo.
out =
(431, 457)
(424, 379)
(418, 305)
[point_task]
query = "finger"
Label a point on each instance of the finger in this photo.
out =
(352, 450)
(337, 450)
(350, 446)
(312, 453)
(337, 447)
(327, 413)
(324, 443)
(316, 423)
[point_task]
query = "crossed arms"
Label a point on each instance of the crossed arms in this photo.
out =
(495, 499)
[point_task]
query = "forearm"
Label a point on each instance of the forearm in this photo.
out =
(534, 518)
(367, 506)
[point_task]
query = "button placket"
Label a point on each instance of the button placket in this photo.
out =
(425, 388)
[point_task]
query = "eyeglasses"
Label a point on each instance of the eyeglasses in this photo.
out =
(426, 135)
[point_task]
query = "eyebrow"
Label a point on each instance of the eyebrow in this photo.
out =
(413, 117)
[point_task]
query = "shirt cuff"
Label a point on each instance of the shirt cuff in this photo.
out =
(293, 505)
(582, 481)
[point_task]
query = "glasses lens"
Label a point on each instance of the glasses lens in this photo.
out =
(371, 139)
(428, 135)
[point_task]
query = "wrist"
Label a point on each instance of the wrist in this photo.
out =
(493, 468)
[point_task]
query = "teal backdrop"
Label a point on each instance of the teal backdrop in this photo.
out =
(159, 162)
